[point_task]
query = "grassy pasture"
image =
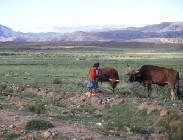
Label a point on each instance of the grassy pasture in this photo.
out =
(70, 65)
(40, 67)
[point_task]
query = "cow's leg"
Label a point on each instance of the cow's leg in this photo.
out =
(113, 85)
(173, 94)
(149, 89)
(173, 91)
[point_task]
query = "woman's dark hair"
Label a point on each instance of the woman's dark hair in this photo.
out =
(96, 64)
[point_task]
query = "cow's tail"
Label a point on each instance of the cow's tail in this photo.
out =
(177, 83)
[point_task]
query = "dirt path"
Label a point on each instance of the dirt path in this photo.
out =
(16, 121)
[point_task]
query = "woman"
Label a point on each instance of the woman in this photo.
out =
(92, 83)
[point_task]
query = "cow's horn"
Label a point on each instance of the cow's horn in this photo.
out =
(113, 80)
(137, 71)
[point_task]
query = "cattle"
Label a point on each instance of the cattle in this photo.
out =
(149, 74)
(108, 74)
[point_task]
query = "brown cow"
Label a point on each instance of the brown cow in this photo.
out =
(149, 74)
(107, 74)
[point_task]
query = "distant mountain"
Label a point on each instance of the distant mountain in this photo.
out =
(70, 29)
(5, 31)
(162, 30)
(163, 27)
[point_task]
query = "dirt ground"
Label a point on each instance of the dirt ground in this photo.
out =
(16, 121)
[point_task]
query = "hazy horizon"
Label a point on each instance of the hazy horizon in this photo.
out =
(53, 15)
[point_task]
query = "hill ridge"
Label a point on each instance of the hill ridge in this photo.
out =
(162, 30)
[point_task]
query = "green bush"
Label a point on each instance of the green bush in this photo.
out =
(2, 87)
(38, 107)
(56, 81)
(38, 125)
(11, 136)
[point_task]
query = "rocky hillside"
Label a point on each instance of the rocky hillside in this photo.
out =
(163, 30)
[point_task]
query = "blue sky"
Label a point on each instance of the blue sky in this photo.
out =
(43, 15)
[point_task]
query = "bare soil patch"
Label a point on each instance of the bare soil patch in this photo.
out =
(16, 121)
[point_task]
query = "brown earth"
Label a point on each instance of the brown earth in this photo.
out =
(16, 120)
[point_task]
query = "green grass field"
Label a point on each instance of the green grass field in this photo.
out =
(41, 67)
(70, 65)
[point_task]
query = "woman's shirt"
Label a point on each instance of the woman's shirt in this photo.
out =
(92, 73)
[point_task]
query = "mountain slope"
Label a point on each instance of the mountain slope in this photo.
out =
(162, 30)
(5, 31)
(163, 27)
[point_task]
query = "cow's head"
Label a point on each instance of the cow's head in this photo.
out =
(113, 82)
(134, 75)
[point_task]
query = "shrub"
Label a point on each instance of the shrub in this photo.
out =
(38, 107)
(56, 81)
(2, 87)
(38, 125)
(11, 136)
